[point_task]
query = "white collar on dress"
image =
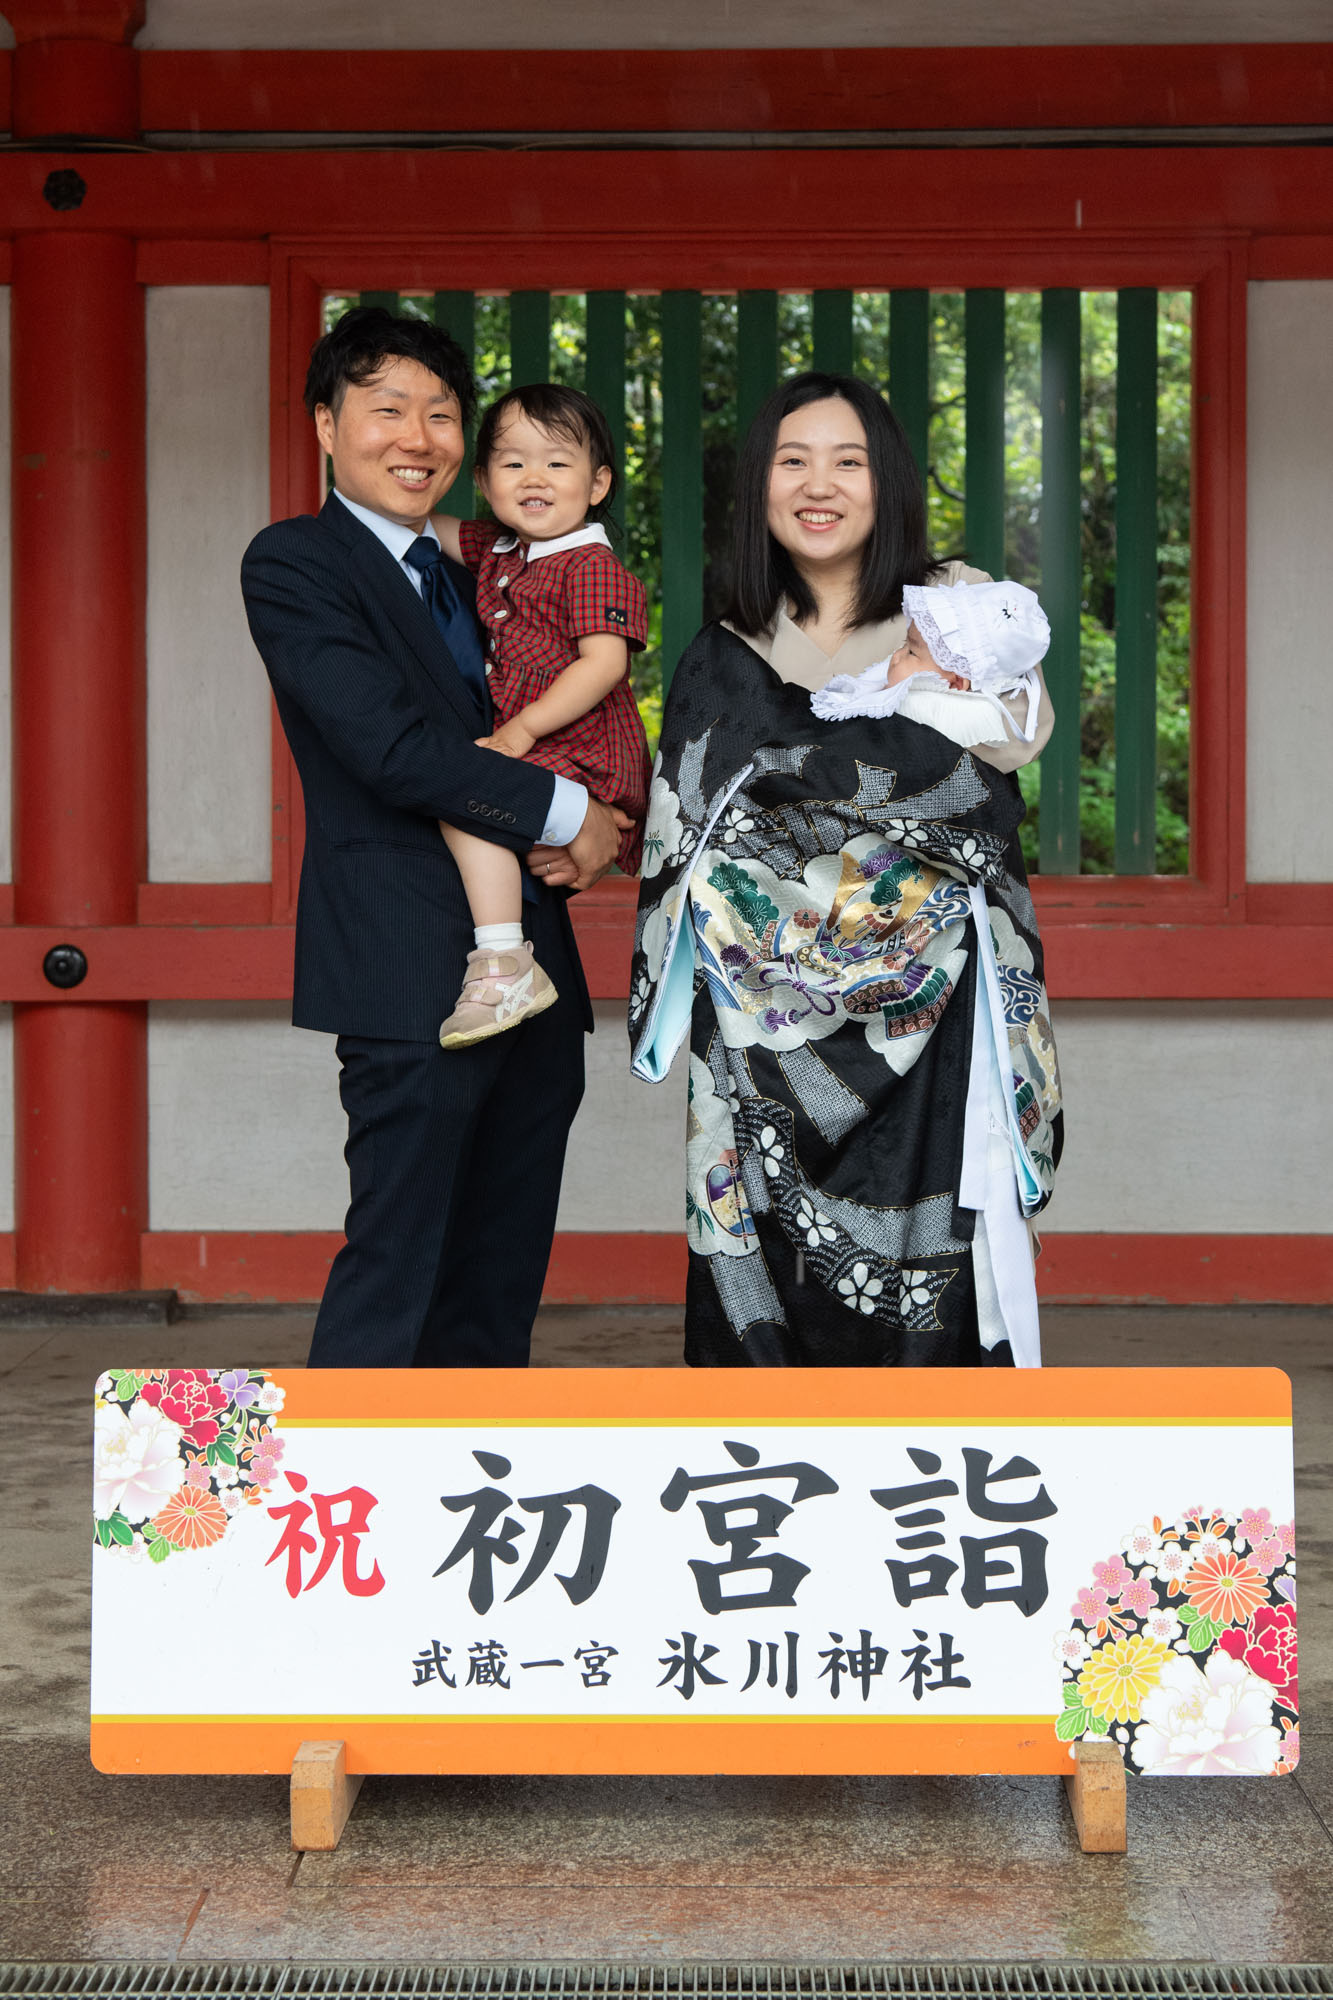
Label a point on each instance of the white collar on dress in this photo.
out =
(593, 533)
(396, 538)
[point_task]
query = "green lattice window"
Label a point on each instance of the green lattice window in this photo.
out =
(1053, 430)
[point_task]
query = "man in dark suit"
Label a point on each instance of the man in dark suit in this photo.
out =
(372, 646)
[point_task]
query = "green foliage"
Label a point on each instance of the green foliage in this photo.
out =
(640, 508)
(947, 485)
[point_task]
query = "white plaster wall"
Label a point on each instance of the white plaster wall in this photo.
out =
(704, 24)
(1207, 1117)
(1289, 582)
(208, 699)
(244, 1126)
(246, 1131)
(1183, 1118)
(625, 1165)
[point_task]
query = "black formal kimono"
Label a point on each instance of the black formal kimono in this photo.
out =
(809, 916)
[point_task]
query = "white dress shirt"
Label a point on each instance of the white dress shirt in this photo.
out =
(569, 802)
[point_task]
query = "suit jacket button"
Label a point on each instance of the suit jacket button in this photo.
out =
(472, 806)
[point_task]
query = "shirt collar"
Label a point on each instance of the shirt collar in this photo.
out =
(396, 538)
(581, 537)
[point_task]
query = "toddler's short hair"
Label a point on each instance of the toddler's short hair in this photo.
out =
(566, 413)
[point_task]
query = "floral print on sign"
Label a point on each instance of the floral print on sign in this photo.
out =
(1183, 1648)
(177, 1452)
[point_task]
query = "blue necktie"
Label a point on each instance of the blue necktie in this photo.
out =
(458, 629)
(452, 619)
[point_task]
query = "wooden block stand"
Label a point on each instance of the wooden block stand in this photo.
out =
(1096, 1792)
(323, 1795)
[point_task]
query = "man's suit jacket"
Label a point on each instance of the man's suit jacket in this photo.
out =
(381, 725)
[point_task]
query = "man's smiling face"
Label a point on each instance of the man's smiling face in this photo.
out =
(396, 441)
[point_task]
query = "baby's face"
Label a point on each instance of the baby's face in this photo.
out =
(912, 657)
(540, 484)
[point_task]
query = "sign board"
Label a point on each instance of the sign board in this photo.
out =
(674, 1570)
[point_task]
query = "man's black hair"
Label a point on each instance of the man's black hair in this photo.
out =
(897, 552)
(364, 339)
(564, 413)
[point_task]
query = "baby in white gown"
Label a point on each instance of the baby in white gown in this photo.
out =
(969, 658)
(968, 647)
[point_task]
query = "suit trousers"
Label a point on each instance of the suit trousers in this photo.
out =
(455, 1158)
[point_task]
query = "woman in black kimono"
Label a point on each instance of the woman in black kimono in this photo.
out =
(839, 915)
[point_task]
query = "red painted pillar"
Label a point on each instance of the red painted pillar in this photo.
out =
(75, 74)
(81, 1122)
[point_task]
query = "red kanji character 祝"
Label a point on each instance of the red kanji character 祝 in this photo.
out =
(296, 1542)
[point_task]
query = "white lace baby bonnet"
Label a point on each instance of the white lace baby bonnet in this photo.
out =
(992, 634)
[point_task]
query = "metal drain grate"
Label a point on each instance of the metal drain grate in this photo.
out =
(668, 1982)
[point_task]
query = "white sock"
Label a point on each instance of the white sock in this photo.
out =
(498, 937)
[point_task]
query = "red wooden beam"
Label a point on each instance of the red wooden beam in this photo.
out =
(648, 1268)
(736, 90)
(205, 904)
(1105, 1269)
(1292, 257)
(787, 217)
(1289, 961)
(202, 261)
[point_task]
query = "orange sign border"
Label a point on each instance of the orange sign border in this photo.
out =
(645, 1396)
(558, 1746)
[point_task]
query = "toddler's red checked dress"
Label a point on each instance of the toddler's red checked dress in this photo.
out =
(536, 603)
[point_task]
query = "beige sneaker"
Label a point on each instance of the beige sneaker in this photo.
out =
(501, 989)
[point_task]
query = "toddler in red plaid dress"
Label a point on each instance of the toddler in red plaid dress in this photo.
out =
(562, 615)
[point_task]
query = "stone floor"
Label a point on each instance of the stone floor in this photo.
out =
(632, 1870)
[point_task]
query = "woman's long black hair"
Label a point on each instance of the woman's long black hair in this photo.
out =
(763, 575)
